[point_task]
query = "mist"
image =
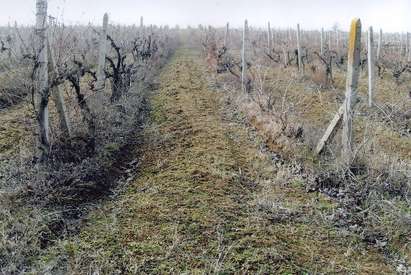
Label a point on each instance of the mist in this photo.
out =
(391, 16)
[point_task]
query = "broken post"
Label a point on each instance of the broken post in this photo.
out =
(331, 131)
(42, 82)
(354, 51)
(344, 113)
(101, 77)
(300, 63)
(371, 65)
(243, 58)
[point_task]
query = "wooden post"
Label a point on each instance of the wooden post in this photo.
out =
(322, 41)
(354, 51)
(243, 58)
(269, 37)
(371, 65)
(379, 45)
(101, 78)
(226, 35)
(285, 54)
(57, 94)
(300, 63)
(42, 78)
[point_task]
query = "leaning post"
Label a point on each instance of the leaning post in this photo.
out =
(57, 94)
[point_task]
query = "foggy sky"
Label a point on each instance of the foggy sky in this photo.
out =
(390, 15)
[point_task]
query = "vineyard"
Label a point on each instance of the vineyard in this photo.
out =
(144, 149)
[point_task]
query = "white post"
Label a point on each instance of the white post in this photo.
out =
(404, 44)
(269, 36)
(42, 77)
(371, 68)
(366, 39)
(226, 35)
(408, 50)
(322, 41)
(379, 46)
(300, 63)
(101, 78)
(329, 40)
(243, 58)
(354, 51)
(337, 40)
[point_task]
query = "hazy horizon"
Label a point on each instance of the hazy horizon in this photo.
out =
(391, 16)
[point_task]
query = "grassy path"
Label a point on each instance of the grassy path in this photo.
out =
(206, 200)
(13, 129)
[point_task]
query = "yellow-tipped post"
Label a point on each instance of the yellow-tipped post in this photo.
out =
(354, 51)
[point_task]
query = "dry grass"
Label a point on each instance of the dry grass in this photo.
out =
(376, 195)
(14, 86)
(43, 204)
(208, 200)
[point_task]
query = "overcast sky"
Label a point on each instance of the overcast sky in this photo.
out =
(391, 15)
